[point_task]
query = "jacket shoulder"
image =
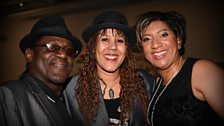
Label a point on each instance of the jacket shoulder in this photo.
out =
(148, 80)
(12, 85)
(71, 84)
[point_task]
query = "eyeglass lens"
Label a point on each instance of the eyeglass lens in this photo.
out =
(69, 51)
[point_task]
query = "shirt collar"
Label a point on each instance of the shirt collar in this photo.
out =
(51, 95)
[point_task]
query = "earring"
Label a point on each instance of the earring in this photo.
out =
(179, 44)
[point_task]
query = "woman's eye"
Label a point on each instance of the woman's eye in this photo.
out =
(146, 39)
(120, 40)
(104, 39)
(164, 34)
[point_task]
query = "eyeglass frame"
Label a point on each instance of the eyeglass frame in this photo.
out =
(57, 51)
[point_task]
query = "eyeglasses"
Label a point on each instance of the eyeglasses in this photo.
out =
(69, 51)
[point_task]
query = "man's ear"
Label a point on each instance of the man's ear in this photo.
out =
(29, 55)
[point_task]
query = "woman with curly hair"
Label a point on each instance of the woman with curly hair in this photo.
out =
(109, 90)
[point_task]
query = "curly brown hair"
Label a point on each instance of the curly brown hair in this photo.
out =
(88, 88)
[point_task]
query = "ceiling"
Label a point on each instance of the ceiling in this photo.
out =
(40, 7)
(8, 7)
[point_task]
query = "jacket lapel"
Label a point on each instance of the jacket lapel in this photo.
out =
(44, 102)
(102, 116)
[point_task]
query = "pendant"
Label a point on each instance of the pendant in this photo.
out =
(111, 93)
(119, 109)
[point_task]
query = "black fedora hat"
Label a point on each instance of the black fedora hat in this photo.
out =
(110, 19)
(49, 26)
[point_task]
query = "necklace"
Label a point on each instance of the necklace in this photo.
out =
(160, 81)
(111, 91)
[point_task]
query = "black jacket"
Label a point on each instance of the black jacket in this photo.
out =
(24, 103)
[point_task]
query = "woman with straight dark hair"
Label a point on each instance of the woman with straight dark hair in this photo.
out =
(189, 91)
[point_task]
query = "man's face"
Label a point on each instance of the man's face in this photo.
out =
(50, 67)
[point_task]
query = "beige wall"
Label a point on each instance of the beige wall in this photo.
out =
(204, 30)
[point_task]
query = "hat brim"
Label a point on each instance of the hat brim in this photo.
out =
(129, 32)
(29, 39)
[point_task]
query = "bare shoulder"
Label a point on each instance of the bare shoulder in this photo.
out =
(206, 78)
(206, 67)
(208, 84)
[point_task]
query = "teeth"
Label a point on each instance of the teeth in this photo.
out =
(59, 65)
(160, 53)
(111, 56)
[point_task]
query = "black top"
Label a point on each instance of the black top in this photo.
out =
(177, 106)
(113, 110)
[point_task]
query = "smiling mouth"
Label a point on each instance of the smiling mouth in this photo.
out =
(111, 57)
(60, 65)
(159, 53)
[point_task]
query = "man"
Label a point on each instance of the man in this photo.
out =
(36, 99)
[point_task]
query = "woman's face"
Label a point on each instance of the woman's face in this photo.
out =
(110, 50)
(160, 45)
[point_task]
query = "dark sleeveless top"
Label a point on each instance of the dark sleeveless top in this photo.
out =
(177, 106)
